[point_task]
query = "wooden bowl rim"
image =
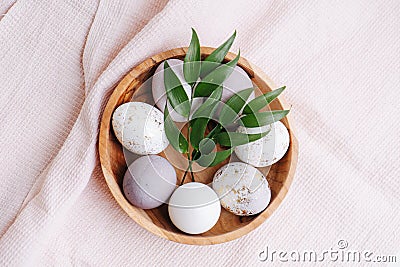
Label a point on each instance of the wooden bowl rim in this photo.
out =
(137, 213)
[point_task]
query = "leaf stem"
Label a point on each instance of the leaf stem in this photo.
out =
(191, 170)
(184, 176)
(187, 170)
(190, 161)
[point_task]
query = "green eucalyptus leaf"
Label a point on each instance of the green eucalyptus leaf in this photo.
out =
(262, 118)
(233, 106)
(174, 135)
(215, 78)
(214, 158)
(195, 154)
(216, 130)
(191, 67)
(207, 109)
(206, 146)
(202, 116)
(232, 139)
(216, 57)
(176, 94)
(259, 102)
(197, 129)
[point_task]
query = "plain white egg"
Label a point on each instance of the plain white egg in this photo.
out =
(159, 92)
(139, 127)
(242, 189)
(267, 150)
(149, 182)
(194, 208)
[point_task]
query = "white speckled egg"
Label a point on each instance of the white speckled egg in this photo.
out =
(159, 92)
(267, 150)
(236, 82)
(194, 208)
(242, 189)
(139, 127)
(149, 182)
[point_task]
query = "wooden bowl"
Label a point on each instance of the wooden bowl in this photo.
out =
(113, 162)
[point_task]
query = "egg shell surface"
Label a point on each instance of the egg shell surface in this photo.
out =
(149, 182)
(243, 190)
(236, 82)
(194, 208)
(267, 150)
(139, 127)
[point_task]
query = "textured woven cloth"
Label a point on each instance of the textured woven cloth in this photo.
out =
(61, 59)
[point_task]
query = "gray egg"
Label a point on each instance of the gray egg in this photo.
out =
(149, 182)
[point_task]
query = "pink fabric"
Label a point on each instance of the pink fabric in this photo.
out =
(60, 60)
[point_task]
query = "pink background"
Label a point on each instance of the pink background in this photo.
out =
(61, 59)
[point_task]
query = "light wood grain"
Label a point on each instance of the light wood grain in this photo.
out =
(113, 163)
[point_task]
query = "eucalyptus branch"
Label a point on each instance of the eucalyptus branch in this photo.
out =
(184, 176)
(206, 79)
